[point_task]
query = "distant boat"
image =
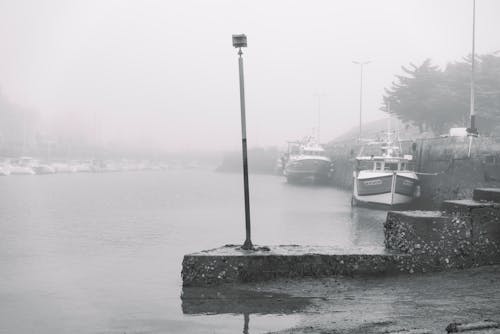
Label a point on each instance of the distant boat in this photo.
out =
(22, 166)
(4, 170)
(81, 167)
(43, 169)
(306, 161)
(62, 167)
(386, 179)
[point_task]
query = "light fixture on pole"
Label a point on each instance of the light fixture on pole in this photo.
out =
(361, 64)
(240, 41)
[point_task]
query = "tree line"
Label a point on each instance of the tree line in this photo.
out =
(435, 99)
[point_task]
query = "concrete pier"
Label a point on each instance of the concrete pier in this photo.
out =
(231, 264)
(464, 234)
(486, 195)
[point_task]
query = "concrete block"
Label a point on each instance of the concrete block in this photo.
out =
(486, 195)
(463, 206)
(442, 241)
(486, 235)
(230, 264)
(409, 231)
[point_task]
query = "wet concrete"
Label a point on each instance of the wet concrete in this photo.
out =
(231, 264)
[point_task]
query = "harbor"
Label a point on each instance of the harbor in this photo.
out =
(249, 167)
(102, 252)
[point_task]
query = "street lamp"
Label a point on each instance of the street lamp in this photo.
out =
(240, 41)
(472, 130)
(361, 63)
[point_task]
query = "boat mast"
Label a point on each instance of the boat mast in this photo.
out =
(318, 129)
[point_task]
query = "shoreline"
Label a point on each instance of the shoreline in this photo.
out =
(390, 304)
(423, 303)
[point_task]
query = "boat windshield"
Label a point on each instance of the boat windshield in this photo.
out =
(382, 165)
(364, 164)
(391, 166)
(312, 152)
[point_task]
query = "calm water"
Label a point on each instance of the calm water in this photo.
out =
(102, 253)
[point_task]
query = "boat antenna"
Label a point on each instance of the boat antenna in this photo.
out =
(389, 125)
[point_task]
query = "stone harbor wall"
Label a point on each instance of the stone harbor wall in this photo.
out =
(443, 240)
(464, 234)
(447, 172)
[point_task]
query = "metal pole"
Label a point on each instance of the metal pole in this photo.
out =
(246, 322)
(473, 61)
(318, 129)
(472, 125)
(360, 99)
(361, 64)
(319, 119)
(248, 242)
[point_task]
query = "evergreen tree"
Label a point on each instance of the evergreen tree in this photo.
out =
(437, 100)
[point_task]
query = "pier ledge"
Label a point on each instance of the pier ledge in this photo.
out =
(463, 234)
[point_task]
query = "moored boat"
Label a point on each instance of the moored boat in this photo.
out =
(43, 169)
(4, 170)
(307, 161)
(387, 179)
(22, 166)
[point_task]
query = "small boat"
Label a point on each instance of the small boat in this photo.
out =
(4, 170)
(63, 167)
(387, 179)
(81, 166)
(22, 166)
(43, 169)
(307, 161)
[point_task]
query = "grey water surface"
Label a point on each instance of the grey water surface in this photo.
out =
(102, 253)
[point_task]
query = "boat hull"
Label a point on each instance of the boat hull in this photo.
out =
(390, 189)
(21, 170)
(308, 170)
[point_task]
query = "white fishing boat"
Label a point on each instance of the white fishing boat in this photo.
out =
(387, 179)
(307, 161)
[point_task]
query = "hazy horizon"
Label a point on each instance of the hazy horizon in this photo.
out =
(164, 74)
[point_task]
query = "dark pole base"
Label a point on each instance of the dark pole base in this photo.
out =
(247, 245)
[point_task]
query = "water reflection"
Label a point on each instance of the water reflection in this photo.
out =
(224, 300)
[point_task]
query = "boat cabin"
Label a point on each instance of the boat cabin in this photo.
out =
(383, 164)
(311, 150)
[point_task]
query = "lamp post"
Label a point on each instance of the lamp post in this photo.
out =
(240, 41)
(361, 64)
(472, 130)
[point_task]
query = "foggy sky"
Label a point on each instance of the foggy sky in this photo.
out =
(164, 73)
